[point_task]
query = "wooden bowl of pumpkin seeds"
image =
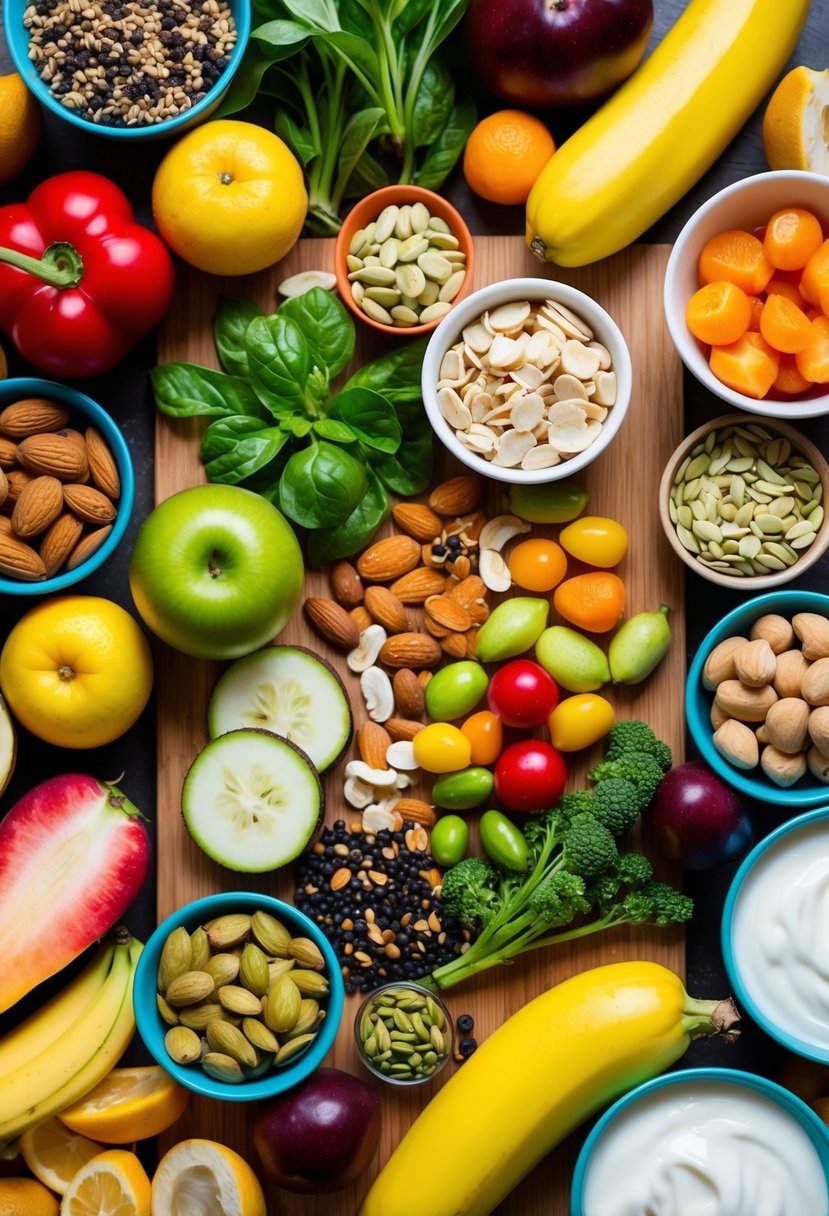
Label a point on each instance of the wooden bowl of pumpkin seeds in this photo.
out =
(742, 502)
(238, 996)
(403, 1033)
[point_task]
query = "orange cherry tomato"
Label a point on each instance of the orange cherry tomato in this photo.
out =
(486, 737)
(591, 601)
(792, 236)
(738, 257)
(784, 325)
(538, 564)
(718, 313)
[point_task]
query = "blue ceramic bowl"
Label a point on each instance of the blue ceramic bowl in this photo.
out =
(152, 1029)
(698, 701)
(789, 1040)
(17, 40)
(803, 1115)
(83, 410)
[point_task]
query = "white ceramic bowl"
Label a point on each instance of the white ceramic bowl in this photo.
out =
(605, 330)
(747, 204)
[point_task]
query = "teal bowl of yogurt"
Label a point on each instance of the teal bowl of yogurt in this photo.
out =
(707, 1141)
(775, 935)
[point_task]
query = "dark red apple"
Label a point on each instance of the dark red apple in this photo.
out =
(321, 1136)
(697, 820)
(556, 52)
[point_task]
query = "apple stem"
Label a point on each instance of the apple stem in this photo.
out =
(213, 570)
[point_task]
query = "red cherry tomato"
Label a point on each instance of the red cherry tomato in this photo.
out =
(522, 693)
(530, 776)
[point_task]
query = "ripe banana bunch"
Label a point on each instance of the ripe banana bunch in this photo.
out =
(64, 1049)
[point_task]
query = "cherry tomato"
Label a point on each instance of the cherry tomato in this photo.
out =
(595, 540)
(530, 776)
(579, 721)
(522, 693)
(538, 564)
(485, 735)
(441, 748)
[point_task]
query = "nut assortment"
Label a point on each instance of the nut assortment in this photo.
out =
(240, 995)
(58, 491)
(771, 697)
(406, 267)
(527, 385)
(403, 1034)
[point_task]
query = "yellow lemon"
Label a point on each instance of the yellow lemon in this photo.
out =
(184, 1171)
(25, 1197)
(795, 131)
(20, 126)
(229, 198)
(129, 1104)
(54, 1154)
(112, 1183)
(76, 671)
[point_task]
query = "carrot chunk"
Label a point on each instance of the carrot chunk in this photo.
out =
(789, 379)
(718, 313)
(792, 236)
(748, 366)
(815, 274)
(785, 326)
(738, 257)
(813, 361)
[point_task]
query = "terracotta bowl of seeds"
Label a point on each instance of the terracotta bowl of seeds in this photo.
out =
(63, 509)
(161, 88)
(404, 259)
(527, 381)
(741, 502)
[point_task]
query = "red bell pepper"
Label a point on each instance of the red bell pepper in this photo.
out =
(80, 280)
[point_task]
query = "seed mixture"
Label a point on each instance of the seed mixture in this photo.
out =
(129, 64)
(374, 898)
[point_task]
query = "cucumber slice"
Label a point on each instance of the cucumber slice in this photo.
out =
(251, 800)
(287, 690)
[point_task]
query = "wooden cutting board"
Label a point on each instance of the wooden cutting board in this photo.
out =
(623, 484)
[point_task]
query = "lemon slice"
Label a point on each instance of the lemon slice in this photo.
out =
(203, 1176)
(796, 122)
(129, 1104)
(25, 1197)
(112, 1184)
(54, 1154)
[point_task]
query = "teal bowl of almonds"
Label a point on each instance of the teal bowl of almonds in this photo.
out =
(742, 503)
(404, 1034)
(238, 996)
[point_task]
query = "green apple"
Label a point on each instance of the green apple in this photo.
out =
(216, 572)
(573, 661)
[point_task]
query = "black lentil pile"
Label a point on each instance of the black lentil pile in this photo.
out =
(129, 64)
(373, 898)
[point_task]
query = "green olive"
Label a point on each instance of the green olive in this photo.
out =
(512, 628)
(455, 690)
(450, 840)
(556, 502)
(461, 791)
(503, 842)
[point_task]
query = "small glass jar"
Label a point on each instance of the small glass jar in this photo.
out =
(404, 1033)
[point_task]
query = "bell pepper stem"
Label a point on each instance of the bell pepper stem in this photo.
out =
(60, 266)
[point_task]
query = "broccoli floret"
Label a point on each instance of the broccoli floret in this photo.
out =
(617, 804)
(469, 891)
(633, 869)
(559, 898)
(602, 892)
(589, 848)
(575, 803)
(639, 767)
(635, 736)
(656, 904)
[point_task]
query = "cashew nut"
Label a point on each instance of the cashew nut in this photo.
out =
(371, 643)
(498, 531)
(377, 693)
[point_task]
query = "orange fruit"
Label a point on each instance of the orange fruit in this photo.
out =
(54, 1154)
(592, 601)
(794, 133)
(25, 1197)
(112, 1184)
(129, 1104)
(505, 154)
(20, 126)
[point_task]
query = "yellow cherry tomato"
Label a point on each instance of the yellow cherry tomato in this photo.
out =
(595, 540)
(441, 748)
(485, 735)
(538, 564)
(580, 721)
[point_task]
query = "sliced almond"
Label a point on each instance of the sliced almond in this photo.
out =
(572, 325)
(510, 316)
(605, 361)
(605, 388)
(579, 360)
(478, 338)
(453, 409)
(513, 448)
(568, 387)
(529, 376)
(542, 456)
(528, 412)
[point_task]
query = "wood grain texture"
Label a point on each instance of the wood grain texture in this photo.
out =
(623, 484)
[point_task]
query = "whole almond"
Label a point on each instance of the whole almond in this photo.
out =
(85, 547)
(471, 639)
(458, 496)
(89, 504)
(414, 810)
(818, 764)
(346, 584)
(782, 768)
(416, 586)
(388, 559)
(435, 628)
(17, 480)
(776, 630)
(102, 464)
(39, 504)
(815, 685)
(423, 678)
(719, 665)
(787, 724)
(8, 453)
(737, 743)
(819, 729)
(448, 612)
(791, 668)
(55, 455)
(410, 650)
(402, 730)
(386, 609)
(332, 621)
(813, 631)
(32, 416)
(59, 541)
(373, 741)
(479, 611)
(4, 487)
(743, 703)
(755, 663)
(361, 617)
(454, 645)
(5, 525)
(468, 590)
(408, 695)
(417, 520)
(19, 560)
(717, 716)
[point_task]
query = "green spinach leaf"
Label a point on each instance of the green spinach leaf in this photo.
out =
(360, 130)
(298, 138)
(326, 326)
(184, 390)
(235, 448)
(280, 362)
(367, 175)
(356, 531)
(434, 101)
(319, 14)
(441, 158)
(409, 470)
(321, 486)
(229, 328)
(371, 416)
(337, 432)
(279, 39)
(396, 374)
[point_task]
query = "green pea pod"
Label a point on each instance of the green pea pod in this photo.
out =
(461, 791)
(503, 842)
(455, 690)
(639, 645)
(450, 840)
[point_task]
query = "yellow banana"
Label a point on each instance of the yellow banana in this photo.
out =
(646, 146)
(545, 1070)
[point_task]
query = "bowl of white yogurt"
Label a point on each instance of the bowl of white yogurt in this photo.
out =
(775, 934)
(705, 1142)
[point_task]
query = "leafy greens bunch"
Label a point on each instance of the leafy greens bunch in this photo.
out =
(326, 461)
(577, 876)
(347, 73)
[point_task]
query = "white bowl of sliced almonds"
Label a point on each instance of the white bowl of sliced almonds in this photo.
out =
(527, 381)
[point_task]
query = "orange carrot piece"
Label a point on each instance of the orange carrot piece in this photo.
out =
(718, 313)
(785, 283)
(791, 237)
(785, 326)
(748, 366)
(756, 312)
(738, 257)
(813, 361)
(815, 274)
(789, 379)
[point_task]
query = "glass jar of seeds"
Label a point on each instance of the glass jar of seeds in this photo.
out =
(404, 1033)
